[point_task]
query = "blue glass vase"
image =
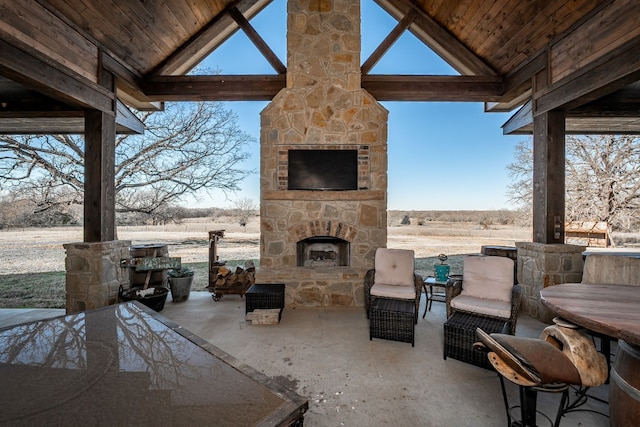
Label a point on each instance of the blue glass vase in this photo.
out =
(442, 272)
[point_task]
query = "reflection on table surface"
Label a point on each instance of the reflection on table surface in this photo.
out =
(126, 365)
(608, 309)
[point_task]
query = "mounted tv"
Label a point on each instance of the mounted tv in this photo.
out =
(323, 170)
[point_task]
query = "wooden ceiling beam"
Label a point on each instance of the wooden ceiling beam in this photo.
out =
(258, 41)
(433, 88)
(59, 121)
(426, 29)
(128, 84)
(382, 87)
(215, 88)
(54, 81)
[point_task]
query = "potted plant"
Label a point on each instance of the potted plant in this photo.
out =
(180, 280)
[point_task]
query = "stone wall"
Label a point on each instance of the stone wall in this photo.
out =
(620, 269)
(94, 274)
(322, 107)
(541, 265)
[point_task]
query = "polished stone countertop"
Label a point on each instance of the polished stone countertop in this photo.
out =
(127, 365)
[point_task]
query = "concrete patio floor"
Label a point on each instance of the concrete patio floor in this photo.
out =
(326, 356)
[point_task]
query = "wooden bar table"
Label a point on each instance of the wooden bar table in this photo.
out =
(612, 310)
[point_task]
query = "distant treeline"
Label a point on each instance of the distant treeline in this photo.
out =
(26, 214)
(485, 218)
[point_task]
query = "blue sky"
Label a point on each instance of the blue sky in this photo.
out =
(442, 156)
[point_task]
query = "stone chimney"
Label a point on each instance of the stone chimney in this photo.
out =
(323, 107)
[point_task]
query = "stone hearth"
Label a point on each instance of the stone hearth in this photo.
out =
(322, 108)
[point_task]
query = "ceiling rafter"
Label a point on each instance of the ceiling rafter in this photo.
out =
(443, 43)
(258, 41)
(386, 44)
(208, 38)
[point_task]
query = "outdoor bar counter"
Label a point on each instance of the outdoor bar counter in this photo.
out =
(612, 310)
(127, 365)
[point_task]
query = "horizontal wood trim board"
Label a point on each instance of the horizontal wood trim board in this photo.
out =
(521, 119)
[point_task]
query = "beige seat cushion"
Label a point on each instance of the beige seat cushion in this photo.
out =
(394, 267)
(485, 306)
(392, 291)
(488, 277)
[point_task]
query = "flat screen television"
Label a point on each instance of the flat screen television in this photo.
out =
(323, 170)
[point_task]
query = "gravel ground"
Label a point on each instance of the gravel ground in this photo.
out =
(40, 250)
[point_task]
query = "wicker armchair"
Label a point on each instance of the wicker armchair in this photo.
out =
(393, 278)
(489, 290)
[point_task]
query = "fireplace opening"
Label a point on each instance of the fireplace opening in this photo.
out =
(323, 251)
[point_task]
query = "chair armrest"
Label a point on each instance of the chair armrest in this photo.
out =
(368, 283)
(516, 298)
(452, 290)
(418, 283)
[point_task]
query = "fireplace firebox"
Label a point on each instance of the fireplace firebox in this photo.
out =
(323, 251)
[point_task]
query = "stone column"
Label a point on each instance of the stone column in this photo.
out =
(541, 265)
(323, 107)
(94, 274)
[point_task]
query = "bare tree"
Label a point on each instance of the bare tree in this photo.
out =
(520, 189)
(186, 148)
(244, 208)
(602, 181)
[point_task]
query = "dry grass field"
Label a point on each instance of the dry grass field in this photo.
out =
(33, 259)
(37, 250)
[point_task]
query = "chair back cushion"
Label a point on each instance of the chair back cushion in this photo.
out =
(394, 267)
(489, 277)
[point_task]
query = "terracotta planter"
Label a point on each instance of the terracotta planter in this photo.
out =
(180, 288)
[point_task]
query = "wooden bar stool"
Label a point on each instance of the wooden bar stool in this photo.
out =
(559, 358)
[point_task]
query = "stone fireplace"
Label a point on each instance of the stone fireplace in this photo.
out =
(320, 228)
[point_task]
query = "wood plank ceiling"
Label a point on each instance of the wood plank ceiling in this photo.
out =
(496, 45)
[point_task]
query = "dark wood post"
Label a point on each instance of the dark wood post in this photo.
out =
(99, 177)
(99, 168)
(548, 177)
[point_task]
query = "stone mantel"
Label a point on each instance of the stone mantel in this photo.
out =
(333, 195)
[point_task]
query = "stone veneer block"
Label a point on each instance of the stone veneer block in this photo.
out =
(541, 265)
(94, 274)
